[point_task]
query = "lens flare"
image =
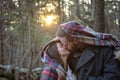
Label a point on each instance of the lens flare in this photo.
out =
(49, 19)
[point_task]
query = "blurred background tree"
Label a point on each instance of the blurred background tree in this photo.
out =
(26, 25)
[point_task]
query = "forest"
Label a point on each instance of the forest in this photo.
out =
(26, 25)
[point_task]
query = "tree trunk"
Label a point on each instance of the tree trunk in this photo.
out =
(78, 14)
(1, 41)
(99, 20)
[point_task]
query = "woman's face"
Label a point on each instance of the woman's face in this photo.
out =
(67, 44)
(62, 50)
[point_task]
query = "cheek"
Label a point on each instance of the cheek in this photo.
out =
(63, 52)
(70, 46)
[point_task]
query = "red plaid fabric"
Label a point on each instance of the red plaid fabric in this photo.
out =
(89, 36)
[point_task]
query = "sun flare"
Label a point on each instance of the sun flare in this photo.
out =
(49, 19)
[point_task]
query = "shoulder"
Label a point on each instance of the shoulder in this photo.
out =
(100, 49)
(49, 68)
(49, 72)
(107, 51)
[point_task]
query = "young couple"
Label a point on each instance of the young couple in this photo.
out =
(80, 53)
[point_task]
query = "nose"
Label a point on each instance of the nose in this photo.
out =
(65, 46)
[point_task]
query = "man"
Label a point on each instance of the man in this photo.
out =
(92, 55)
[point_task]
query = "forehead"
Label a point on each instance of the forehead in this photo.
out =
(64, 40)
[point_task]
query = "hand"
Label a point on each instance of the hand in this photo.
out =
(117, 54)
(56, 39)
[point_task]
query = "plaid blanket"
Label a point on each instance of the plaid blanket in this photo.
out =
(52, 70)
(47, 60)
(87, 35)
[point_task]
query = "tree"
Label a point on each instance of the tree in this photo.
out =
(99, 19)
(2, 32)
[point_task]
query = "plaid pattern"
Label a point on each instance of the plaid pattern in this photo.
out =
(50, 68)
(47, 60)
(48, 73)
(89, 36)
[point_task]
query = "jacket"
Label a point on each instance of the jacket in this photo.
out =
(95, 63)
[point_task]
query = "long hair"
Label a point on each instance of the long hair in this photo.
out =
(54, 54)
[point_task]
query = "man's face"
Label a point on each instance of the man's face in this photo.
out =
(67, 44)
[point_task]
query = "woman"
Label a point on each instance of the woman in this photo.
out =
(54, 55)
